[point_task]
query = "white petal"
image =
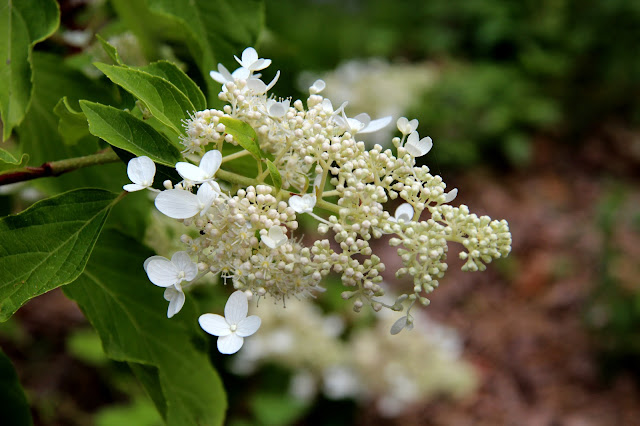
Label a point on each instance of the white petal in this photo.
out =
(222, 76)
(363, 118)
(214, 324)
(240, 74)
(451, 195)
(317, 87)
(302, 204)
(274, 81)
(177, 203)
(206, 196)
(248, 326)
(376, 125)
(162, 272)
(132, 187)
(416, 147)
(191, 172)
(184, 264)
(276, 237)
(404, 212)
(210, 162)
(256, 86)
(176, 301)
(141, 170)
(399, 325)
(249, 56)
(260, 64)
(146, 262)
(405, 126)
(230, 344)
(236, 308)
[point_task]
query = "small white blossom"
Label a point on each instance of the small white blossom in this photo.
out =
(209, 165)
(277, 109)
(302, 204)
(416, 146)
(170, 274)
(182, 204)
(141, 171)
(405, 126)
(403, 212)
(234, 326)
(251, 61)
(275, 238)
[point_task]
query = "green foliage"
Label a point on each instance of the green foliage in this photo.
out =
(474, 114)
(8, 161)
(165, 101)
(15, 410)
(168, 355)
(73, 124)
(48, 245)
(24, 24)
(244, 134)
(38, 133)
(123, 130)
(275, 175)
(569, 63)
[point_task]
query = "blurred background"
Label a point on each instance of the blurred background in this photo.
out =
(533, 109)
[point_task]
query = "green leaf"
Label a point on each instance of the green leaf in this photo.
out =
(24, 23)
(214, 30)
(129, 313)
(13, 402)
(165, 101)
(48, 244)
(110, 50)
(8, 161)
(244, 134)
(39, 136)
(73, 124)
(123, 130)
(175, 75)
(276, 179)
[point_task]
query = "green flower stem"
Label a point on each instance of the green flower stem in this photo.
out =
(56, 168)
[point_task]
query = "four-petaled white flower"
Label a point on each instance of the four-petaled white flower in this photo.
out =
(141, 171)
(302, 204)
(170, 274)
(234, 326)
(404, 212)
(251, 61)
(405, 126)
(416, 146)
(275, 238)
(183, 204)
(209, 165)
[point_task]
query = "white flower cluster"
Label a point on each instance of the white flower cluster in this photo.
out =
(367, 364)
(246, 232)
